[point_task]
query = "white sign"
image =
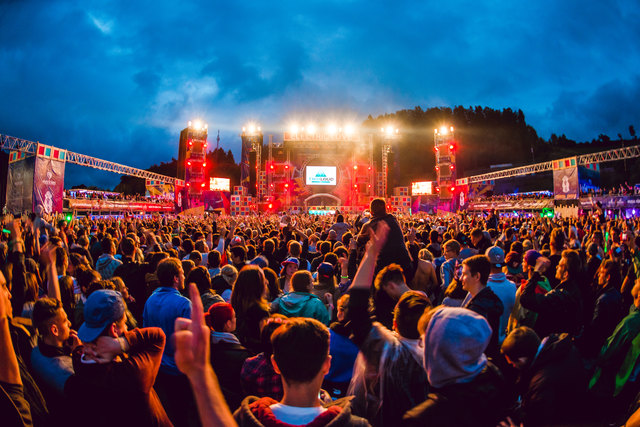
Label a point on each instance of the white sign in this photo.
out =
(321, 175)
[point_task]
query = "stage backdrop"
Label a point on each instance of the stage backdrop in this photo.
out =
(20, 182)
(48, 179)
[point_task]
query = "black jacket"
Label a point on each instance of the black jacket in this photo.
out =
(553, 388)
(559, 311)
(227, 359)
(487, 304)
(481, 402)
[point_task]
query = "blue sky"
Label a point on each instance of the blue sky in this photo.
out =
(119, 79)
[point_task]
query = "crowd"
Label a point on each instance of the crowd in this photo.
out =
(344, 320)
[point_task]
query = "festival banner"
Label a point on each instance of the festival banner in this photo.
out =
(566, 184)
(48, 183)
(216, 201)
(155, 188)
(20, 183)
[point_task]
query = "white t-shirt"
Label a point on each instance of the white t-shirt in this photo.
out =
(294, 415)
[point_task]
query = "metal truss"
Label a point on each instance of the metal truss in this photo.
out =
(17, 144)
(584, 159)
(610, 155)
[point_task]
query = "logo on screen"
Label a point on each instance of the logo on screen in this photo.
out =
(321, 175)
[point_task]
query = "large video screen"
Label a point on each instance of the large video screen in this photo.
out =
(321, 175)
(421, 188)
(220, 184)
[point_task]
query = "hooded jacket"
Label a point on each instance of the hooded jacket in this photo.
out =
(506, 291)
(106, 265)
(255, 412)
(301, 304)
(459, 372)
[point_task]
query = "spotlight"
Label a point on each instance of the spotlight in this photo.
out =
(348, 129)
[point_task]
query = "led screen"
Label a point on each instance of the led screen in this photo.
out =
(321, 175)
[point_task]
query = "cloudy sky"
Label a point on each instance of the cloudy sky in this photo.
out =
(119, 79)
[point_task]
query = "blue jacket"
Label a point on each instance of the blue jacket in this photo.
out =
(301, 304)
(162, 309)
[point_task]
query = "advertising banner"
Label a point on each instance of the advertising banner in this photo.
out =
(48, 184)
(566, 184)
(20, 184)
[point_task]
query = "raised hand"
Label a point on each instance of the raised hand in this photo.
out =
(192, 338)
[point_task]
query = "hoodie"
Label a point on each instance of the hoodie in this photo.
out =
(301, 304)
(506, 291)
(256, 412)
(454, 343)
(468, 390)
(106, 265)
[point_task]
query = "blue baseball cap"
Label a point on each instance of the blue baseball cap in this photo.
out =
(102, 308)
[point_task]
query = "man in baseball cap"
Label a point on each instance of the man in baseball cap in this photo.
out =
(103, 308)
(116, 368)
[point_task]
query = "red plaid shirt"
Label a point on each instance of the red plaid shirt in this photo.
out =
(259, 379)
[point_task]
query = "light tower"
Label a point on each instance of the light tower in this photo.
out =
(389, 134)
(445, 147)
(251, 141)
(192, 161)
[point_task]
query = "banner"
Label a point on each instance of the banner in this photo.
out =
(566, 184)
(216, 201)
(20, 184)
(159, 189)
(48, 184)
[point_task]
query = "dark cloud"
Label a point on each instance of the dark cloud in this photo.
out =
(119, 79)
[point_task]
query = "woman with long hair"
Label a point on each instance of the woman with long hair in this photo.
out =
(249, 301)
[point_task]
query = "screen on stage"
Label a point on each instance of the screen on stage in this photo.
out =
(220, 184)
(421, 188)
(321, 175)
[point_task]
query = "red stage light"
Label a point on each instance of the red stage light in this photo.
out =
(437, 149)
(270, 205)
(369, 167)
(355, 185)
(188, 185)
(450, 146)
(286, 166)
(453, 189)
(188, 163)
(286, 186)
(206, 145)
(355, 167)
(202, 185)
(204, 165)
(451, 167)
(437, 168)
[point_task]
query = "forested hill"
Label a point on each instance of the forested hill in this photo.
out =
(484, 137)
